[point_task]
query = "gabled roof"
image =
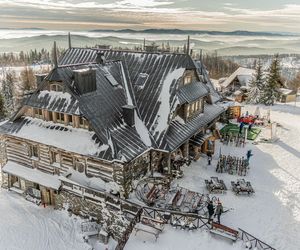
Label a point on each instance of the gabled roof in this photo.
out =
(243, 74)
(156, 100)
(180, 132)
(191, 92)
(201, 70)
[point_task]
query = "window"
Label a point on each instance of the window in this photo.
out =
(60, 118)
(83, 123)
(56, 87)
(79, 165)
(34, 151)
(142, 79)
(187, 80)
(70, 119)
(55, 159)
(38, 113)
(111, 79)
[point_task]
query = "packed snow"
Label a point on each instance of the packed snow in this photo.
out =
(164, 98)
(50, 181)
(26, 226)
(73, 140)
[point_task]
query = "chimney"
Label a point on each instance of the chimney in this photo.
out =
(188, 46)
(39, 78)
(85, 80)
(100, 59)
(69, 40)
(144, 44)
(55, 56)
(128, 114)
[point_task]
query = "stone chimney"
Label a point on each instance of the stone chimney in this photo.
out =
(85, 80)
(100, 59)
(128, 114)
(39, 78)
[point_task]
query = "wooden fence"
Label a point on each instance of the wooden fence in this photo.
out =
(128, 231)
(260, 245)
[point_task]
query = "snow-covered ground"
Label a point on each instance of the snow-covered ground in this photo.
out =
(272, 214)
(25, 226)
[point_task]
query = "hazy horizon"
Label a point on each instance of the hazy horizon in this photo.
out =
(228, 15)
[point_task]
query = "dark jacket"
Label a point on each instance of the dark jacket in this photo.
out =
(219, 209)
(210, 209)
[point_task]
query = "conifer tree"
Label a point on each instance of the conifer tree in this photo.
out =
(270, 91)
(2, 107)
(256, 85)
(8, 90)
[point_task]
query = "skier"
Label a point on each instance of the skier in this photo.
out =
(219, 211)
(211, 210)
(209, 157)
(249, 154)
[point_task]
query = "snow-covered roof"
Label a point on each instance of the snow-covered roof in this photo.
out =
(65, 137)
(244, 75)
(216, 83)
(285, 91)
(112, 138)
(34, 175)
(81, 179)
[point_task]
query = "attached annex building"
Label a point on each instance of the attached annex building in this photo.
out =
(103, 118)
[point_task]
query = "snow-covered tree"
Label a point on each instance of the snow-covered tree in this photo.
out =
(256, 85)
(270, 91)
(8, 91)
(2, 108)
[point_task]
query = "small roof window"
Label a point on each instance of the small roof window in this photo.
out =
(142, 79)
(111, 79)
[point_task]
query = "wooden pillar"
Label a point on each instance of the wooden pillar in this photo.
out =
(185, 152)
(169, 163)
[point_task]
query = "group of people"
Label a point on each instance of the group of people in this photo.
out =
(214, 211)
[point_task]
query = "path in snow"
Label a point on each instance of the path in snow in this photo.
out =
(25, 226)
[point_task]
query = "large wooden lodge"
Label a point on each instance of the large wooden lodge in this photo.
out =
(104, 118)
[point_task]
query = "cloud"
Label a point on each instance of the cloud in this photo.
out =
(148, 14)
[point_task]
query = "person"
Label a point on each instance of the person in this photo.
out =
(249, 154)
(219, 211)
(250, 127)
(241, 127)
(211, 210)
(209, 157)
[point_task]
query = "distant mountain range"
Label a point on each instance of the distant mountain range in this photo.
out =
(198, 32)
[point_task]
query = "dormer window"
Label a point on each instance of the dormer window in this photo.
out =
(187, 80)
(56, 87)
(194, 108)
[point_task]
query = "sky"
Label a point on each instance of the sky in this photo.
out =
(228, 15)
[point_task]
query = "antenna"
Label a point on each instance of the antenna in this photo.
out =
(188, 46)
(55, 55)
(69, 40)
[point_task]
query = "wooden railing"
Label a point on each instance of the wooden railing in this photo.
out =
(170, 217)
(258, 244)
(122, 242)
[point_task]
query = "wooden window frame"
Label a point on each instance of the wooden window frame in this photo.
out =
(34, 151)
(187, 80)
(56, 87)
